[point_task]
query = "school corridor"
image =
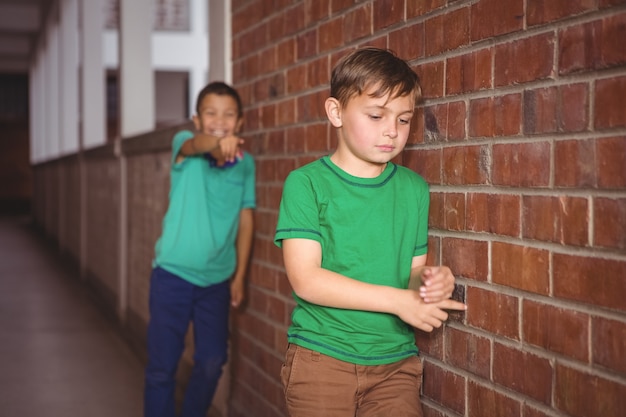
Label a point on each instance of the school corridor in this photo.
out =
(60, 355)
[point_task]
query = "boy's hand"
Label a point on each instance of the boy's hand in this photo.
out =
(228, 147)
(437, 283)
(422, 315)
(236, 292)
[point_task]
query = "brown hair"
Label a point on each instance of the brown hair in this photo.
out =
(221, 89)
(367, 67)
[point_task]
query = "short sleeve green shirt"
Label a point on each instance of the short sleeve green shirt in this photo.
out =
(200, 227)
(369, 229)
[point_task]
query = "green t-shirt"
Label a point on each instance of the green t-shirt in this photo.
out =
(200, 227)
(369, 229)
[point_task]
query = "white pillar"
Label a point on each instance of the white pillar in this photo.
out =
(137, 106)
(68, 76)
(51, 86)
(220, 40)
(93, 97)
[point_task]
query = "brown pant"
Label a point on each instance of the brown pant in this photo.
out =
(317, 385)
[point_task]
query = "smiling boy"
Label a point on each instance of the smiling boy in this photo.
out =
(353, 227)
(202, 254)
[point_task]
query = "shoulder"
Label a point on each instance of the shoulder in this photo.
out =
(407, 174)
(181, 137)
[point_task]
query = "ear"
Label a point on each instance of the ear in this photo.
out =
(333, 111)
(196, 122)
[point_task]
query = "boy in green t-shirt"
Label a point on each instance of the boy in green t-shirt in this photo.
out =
(202, 254)
(353, 227)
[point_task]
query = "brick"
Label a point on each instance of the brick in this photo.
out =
(590, 280)
(286, 112)
(294, 19)
(556, 329)
(358, 24)
(493, 312)
(316, 137)
(484, 401)
(563, 220)
(427, 163)
(521, 267)
(275, 142)
(608, 343)
(540, 111)
(541, 12)
(573, 108)
(465, 165)
(469, 72)
(454, 211)
(318, 72)
(609, 221)
(387, 13)
(575, 163)
(497, 116)
(537, 54)
(468, 351)
(430, 343)
(419, 8)
(438, 36)
(444, 387)
(578, 49)
(431, 76)
(436, 219)
(268, 116)
(521, 164)
(294, 138)
(492, 18)
(306, 44)
(296, 79)
(408, 41)
(330, 34)
(610, 103)
(448, 121)
(317, 10)
(610, 157)
(522, 372)
(580, 394)
(466, 258)
(493, 213)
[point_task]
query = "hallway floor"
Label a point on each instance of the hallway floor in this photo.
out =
(60, 356)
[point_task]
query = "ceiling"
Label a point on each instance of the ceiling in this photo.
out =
(20, 24)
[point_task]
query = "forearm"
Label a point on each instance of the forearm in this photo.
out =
(200, 143)
(245, 236)
(327, 288)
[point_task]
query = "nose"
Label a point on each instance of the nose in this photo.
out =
(391, 129)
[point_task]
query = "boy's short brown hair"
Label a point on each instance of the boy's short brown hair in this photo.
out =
(221, 89)
(367, 67)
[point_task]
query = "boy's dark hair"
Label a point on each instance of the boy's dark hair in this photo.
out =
(221, 89)
(367, 67)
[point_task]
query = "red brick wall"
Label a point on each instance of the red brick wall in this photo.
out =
(522, 137)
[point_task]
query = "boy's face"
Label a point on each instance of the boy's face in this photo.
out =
(371, 130)
(218, 116)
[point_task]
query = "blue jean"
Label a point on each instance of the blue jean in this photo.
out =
(174, 303)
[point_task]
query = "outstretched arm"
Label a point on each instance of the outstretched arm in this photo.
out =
(222, 148)
(244, 246)
(317, 285)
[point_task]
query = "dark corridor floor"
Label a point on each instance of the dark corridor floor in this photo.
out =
(60, 356)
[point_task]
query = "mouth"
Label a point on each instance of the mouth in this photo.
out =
(386, 148)
(218, 133)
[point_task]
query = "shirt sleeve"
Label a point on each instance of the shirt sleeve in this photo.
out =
(249, 191)
(298, 216)
(423, 202)
(177, 143)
